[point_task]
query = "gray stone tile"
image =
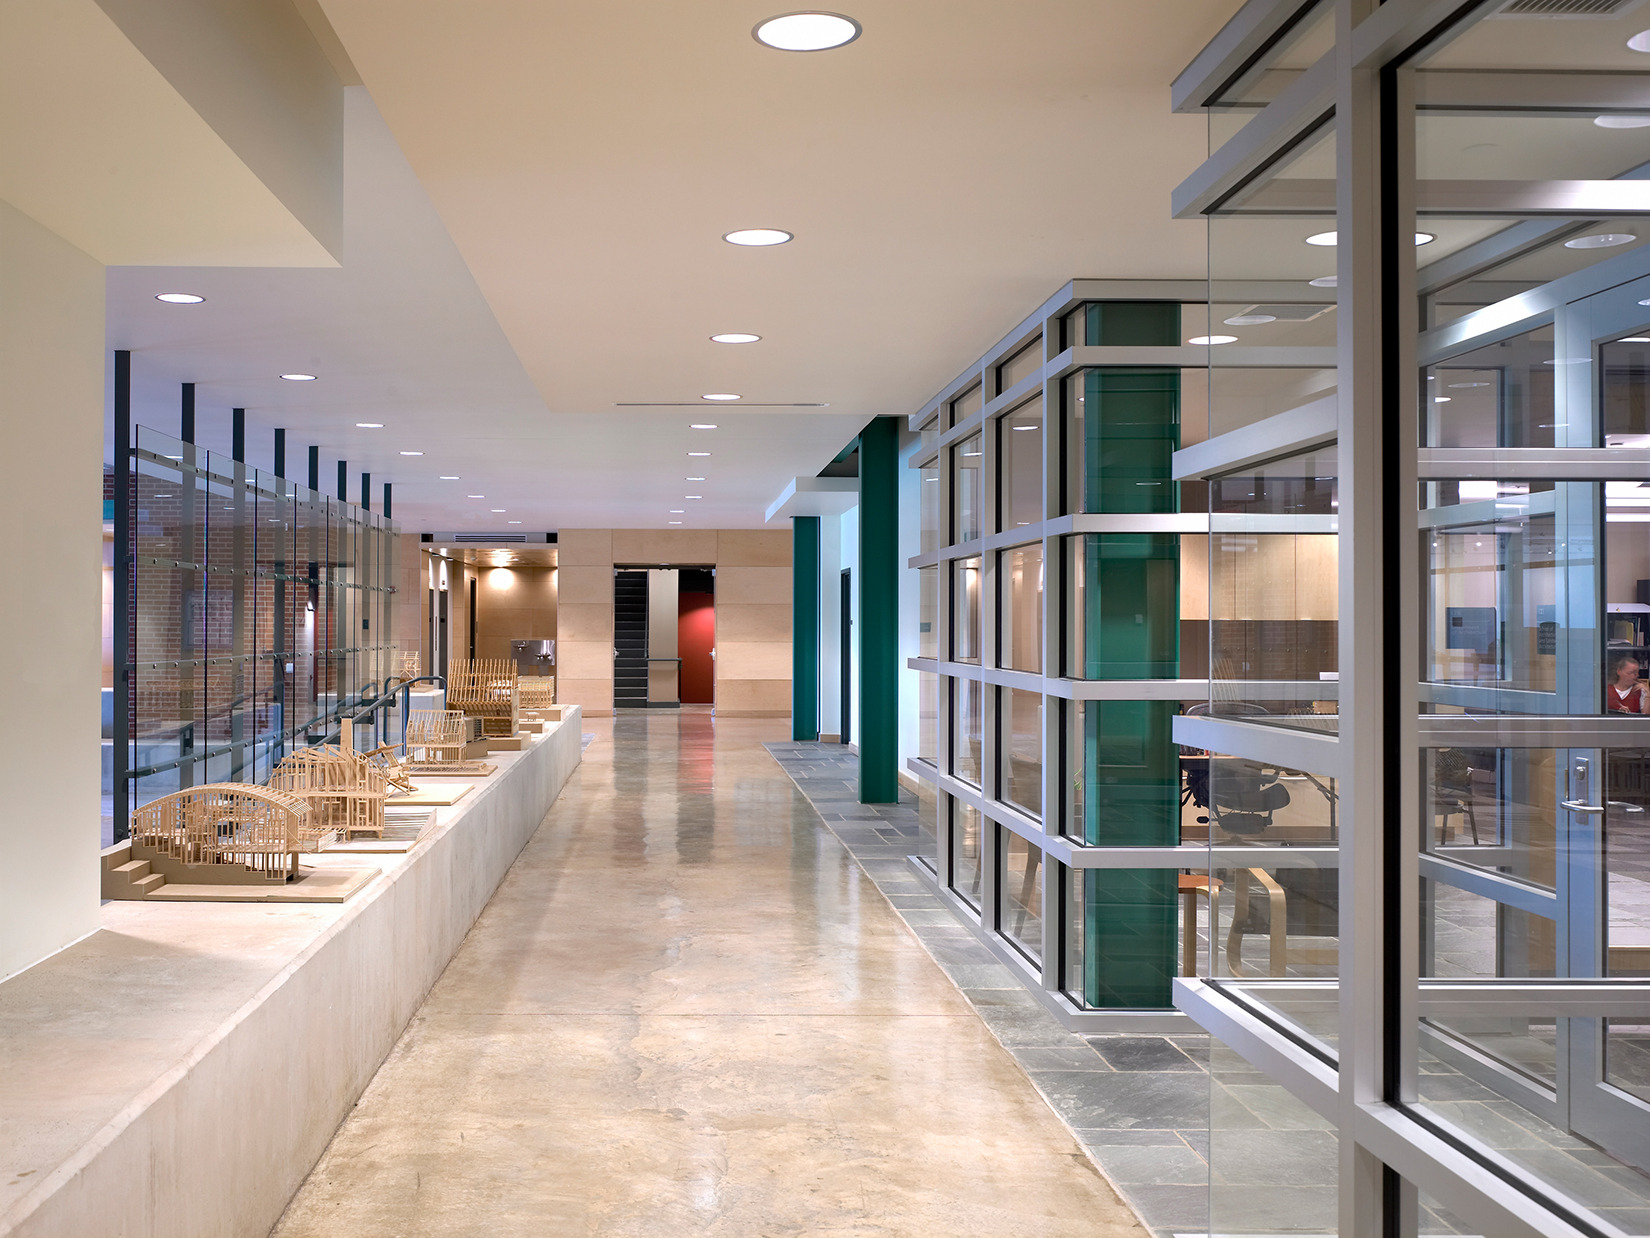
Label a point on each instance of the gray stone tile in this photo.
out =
(1075, 1056)
(1154, 1165)
(1273, 1158)
(1141, 1053)
(1145, 1137)
(1098, 1101)
(1277, 1108)
(1171, 1209)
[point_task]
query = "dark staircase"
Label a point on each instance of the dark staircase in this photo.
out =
(630, 640)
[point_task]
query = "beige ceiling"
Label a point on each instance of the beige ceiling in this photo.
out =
(943, 174)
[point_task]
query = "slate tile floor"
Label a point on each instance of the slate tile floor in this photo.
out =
(1139, 1104)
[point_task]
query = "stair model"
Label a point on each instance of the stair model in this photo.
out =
(126, 878)
(630, 640)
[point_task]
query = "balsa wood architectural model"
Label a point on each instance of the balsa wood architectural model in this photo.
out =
(486, 688)
(394, 767)
(537, 691)
(259, 829)
(345, 789)
(437, 736)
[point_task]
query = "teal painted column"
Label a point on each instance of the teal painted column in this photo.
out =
(1132, 631)
(878, 614)
(804, 627)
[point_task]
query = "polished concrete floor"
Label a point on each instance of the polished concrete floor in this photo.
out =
(688, 1011)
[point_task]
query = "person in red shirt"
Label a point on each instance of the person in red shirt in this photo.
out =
(1625, 695)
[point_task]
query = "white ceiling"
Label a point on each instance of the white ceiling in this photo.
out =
(558, 251)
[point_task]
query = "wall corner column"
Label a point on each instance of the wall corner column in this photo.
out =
(878, 612)
(805, 628)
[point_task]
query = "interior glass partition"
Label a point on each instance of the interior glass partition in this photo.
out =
(260, 609)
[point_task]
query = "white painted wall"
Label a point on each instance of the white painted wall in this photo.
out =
(51, 407)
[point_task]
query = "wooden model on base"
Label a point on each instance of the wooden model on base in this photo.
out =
(394, 768)
(436, 740)
(486, 688)
(345, 789)
(537, 691)
(259, 829)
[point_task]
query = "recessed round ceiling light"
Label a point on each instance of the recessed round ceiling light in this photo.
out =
(448, 477)
(693, 479)
(179, 298)
(475, 496)
(1330, 238)
(1442, 399)
(369, 425)
(512, 522)
(806, 32)
(678, 511)
(675, 522)
(1634, 339)
(757, 236)
(412, 453)
(735, 337)
(693, 496)
(498, 511)
(299, 378)
(1212, 339)
(1250, 320)
(1324, 281)
(1622, 122)
(699, 425)
(723, 396)
(1600, 240)
(698, 453)
(1640, 42)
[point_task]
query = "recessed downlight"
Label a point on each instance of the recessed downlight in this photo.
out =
(369, 425)
(698, 453)
(701, 425)
(1640, 42)
(1324, 281)
(1634, 339)
(512, 522)
(693, 479)
(498, 511)
(299, 378)
(1619, 121)
(179, 298)
(678, 511)
(757, 236)
(1600, 240)
(693, 496)
(1331, 238)
(675, 522)
(806, 32)
(722, 397)
(1442, 399)
(1250, 320)
(1212, 339)
(448, 477)
(735, 337)
(412, 453)
(475, 496)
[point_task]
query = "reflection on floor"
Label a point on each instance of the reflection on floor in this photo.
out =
(1138, 1104)
(687, 1011)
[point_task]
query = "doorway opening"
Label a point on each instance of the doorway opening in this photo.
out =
(846, 627)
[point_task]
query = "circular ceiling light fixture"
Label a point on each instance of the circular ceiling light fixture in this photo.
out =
(675, 522)
(1600, 240)
(1619, 121)
(1324, 281)
(700, 426)
(512, 522)
(299, 378)
(1203, 340)
(678, 511)
(1330, 238)
(757, 236)
(1250, 320)
(448, 477)
(1640, 42)
(806, 32)
(1634, 339)
(698, 453)
(498, 511)
(412, 453)
(1442, 399)
(720, 396)
(693, 479)
(369, 425)
(179, 298)
(735, 337)
(693, 496)
(475, 496)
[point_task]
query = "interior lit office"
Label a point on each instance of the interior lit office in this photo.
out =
(1201, 678)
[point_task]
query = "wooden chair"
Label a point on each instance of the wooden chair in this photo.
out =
(260, 828)
(345, 790)
(1279, 952)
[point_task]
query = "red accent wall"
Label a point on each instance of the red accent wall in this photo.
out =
(695, 637)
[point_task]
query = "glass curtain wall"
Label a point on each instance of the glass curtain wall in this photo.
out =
(1429, 611)
(260, 609)
(1060, 789)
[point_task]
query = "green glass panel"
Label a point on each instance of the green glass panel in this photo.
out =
(1131, 428)
(1130, 937)
(1132, 324)
(1131, 774)
(1131, 620)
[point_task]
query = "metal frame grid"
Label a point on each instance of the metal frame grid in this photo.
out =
(1389, 1152)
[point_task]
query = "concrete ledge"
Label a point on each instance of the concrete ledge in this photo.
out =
(178, 1073)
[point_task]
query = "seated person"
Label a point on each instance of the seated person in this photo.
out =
(1624, 694)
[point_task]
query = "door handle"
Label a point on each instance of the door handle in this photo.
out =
(1592, 810)
(1624, 806)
